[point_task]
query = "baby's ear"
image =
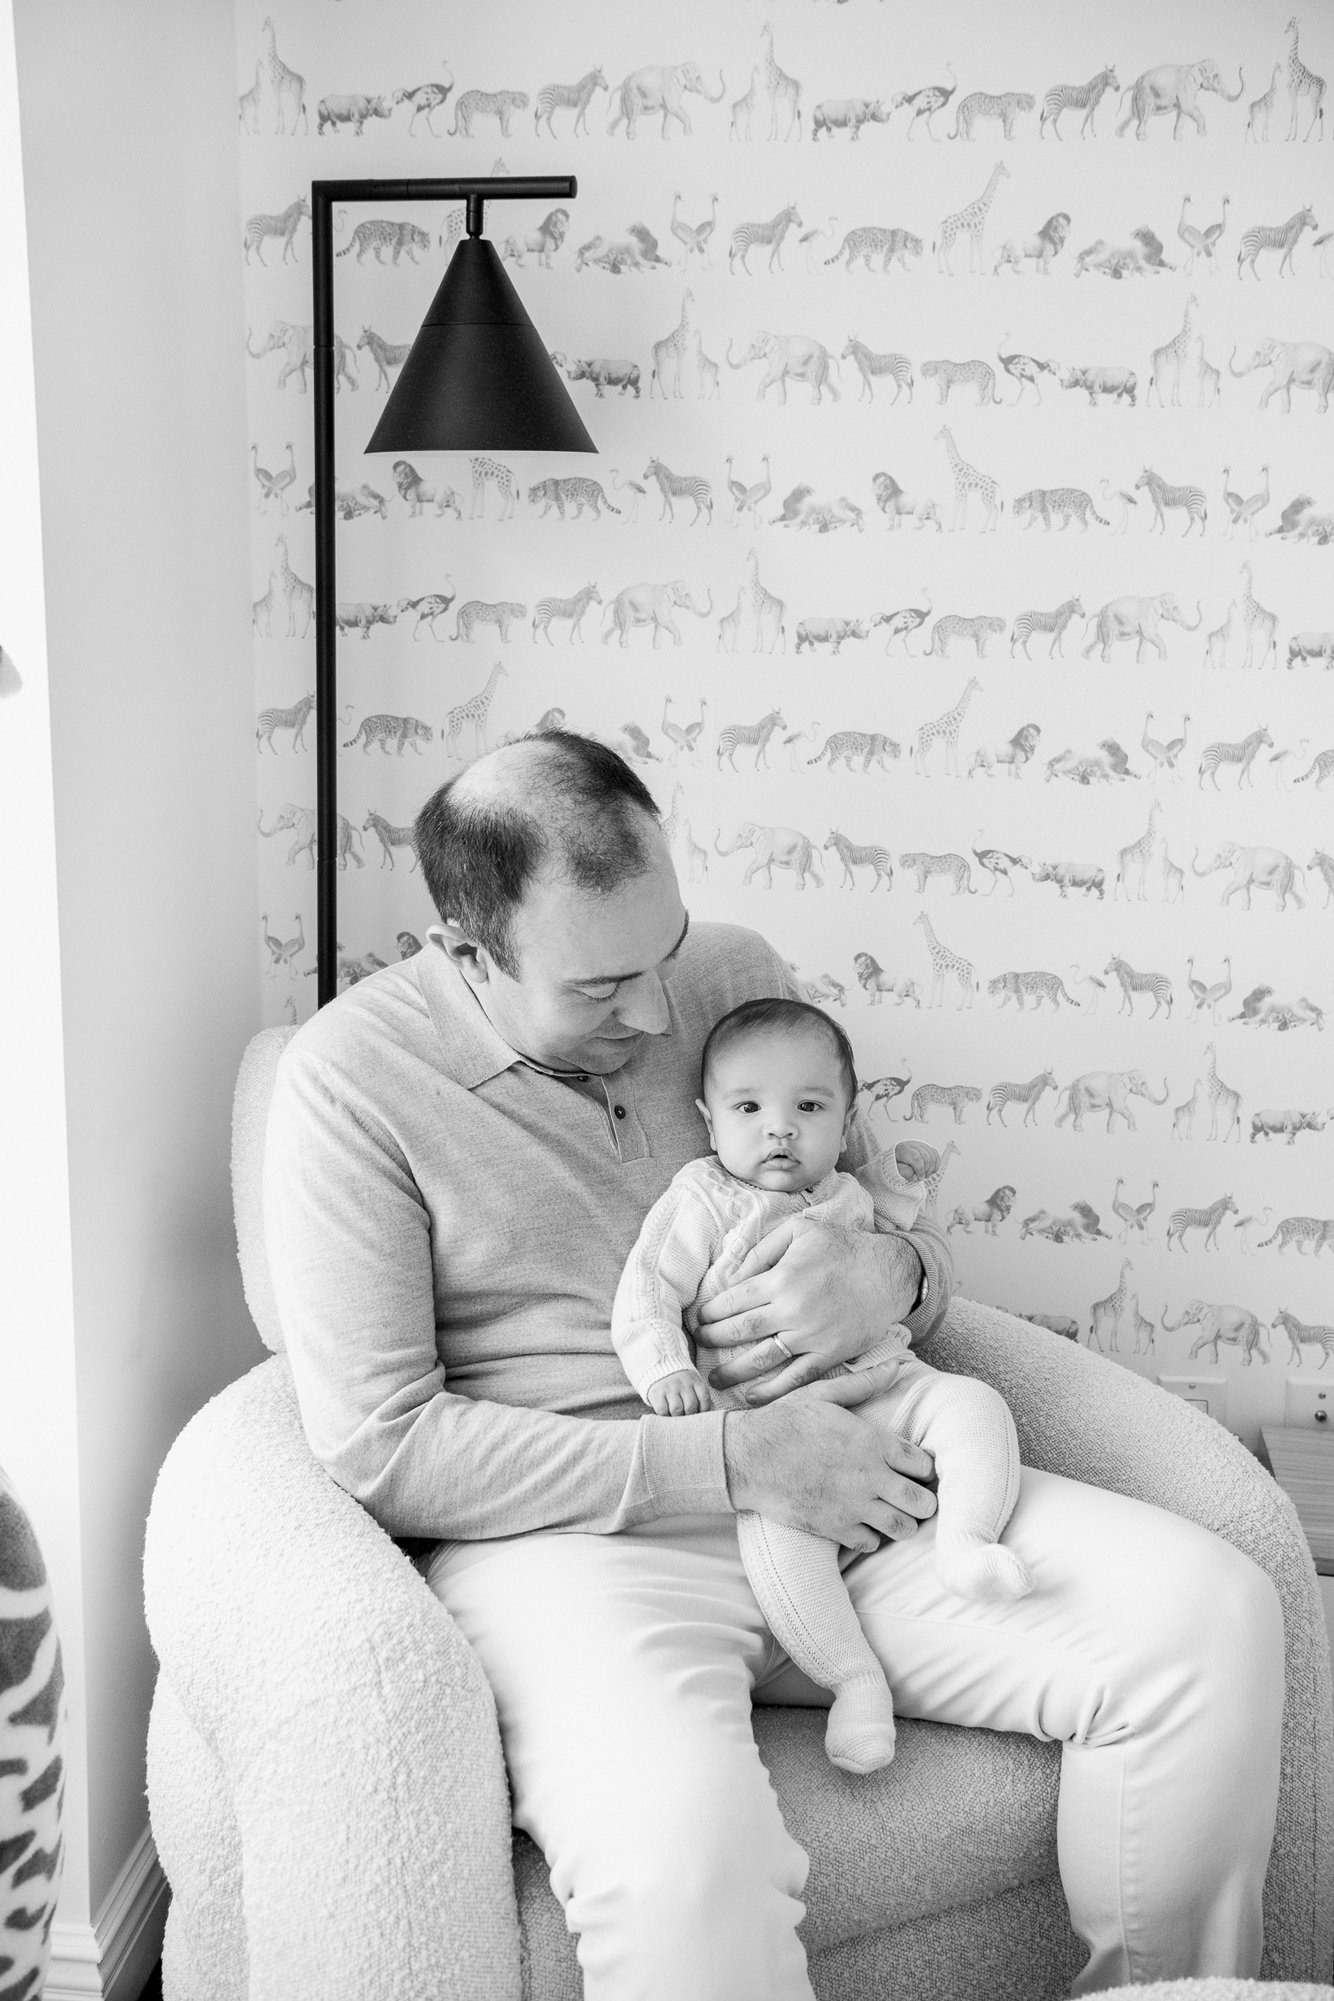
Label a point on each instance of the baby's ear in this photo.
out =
(703, 1111)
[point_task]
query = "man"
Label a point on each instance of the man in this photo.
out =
(461, 1150)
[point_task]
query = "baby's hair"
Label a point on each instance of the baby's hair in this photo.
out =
(756, 1016)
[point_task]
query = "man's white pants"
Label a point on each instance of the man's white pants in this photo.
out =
(624, 1668)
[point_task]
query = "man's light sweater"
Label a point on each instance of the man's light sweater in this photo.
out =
(446, 1226)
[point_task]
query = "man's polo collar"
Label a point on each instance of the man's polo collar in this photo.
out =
(471, 1050)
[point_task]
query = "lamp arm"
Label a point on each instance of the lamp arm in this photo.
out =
(323, 195)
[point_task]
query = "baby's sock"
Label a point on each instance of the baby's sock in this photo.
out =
(859, 1736)
(977, 1568)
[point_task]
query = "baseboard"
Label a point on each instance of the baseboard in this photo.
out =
(111, 1959)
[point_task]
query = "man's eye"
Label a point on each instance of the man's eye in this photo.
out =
(600, 993)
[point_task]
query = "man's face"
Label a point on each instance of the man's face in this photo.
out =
(591, 970)
(776, 1107)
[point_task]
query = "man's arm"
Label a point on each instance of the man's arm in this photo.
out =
(349, 1246)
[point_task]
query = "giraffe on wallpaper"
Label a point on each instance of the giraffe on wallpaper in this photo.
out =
(1303, 82)
(474, 713)
(967, 480)
(971, 221)
(784, 91)
(1173, 355)
(944, 729)
(289, 89)
(766, 610)
(944, 964)
(671, 348)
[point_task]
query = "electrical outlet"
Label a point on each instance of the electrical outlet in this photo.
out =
(1206, 1393)
(1309, 1404)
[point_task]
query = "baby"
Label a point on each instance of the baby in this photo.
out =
(779, 1086)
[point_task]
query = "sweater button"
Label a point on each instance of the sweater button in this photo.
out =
(619, 1111)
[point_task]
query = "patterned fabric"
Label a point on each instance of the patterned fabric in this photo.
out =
(32, 1724)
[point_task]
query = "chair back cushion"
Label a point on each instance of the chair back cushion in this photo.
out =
(250, 1118)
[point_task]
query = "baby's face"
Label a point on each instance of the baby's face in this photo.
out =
(776, 1108)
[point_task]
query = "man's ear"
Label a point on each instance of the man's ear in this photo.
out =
(703, 1111)
(471, 959)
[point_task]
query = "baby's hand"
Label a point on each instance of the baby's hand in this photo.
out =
(682, 1394)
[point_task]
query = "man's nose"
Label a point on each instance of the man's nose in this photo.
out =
(642, 1004)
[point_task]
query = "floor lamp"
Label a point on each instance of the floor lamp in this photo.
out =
(476, 379)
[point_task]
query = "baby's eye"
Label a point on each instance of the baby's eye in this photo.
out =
(747, 1105)
(810, 1105)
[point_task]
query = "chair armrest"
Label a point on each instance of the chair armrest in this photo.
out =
(1090, 1419)
(352, 1720)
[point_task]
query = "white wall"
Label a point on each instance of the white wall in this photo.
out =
(37, 1324)
(128, 120)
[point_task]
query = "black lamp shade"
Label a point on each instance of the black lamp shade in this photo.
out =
(477, 378)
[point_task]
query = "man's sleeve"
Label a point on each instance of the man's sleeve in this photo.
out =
(349, 1247)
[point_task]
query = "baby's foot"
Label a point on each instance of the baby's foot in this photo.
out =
(859, 1736)
(976, 1568)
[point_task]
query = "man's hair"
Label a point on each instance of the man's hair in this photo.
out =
(574, 810)
(759, 1017)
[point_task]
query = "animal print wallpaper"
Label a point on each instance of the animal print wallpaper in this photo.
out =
(957, 567)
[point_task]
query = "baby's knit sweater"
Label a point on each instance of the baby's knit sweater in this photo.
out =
(697, 1234)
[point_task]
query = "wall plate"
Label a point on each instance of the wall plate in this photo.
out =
(1206, 1393)
(1309, 1403)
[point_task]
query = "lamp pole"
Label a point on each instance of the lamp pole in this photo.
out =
(323, 195)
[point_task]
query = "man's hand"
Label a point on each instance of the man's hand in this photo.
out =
(809, 1460)
(823, 1293)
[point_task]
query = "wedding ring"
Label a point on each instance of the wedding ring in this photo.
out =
(782, 1347)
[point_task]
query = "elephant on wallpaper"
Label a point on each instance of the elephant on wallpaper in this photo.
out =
(1137, 619)
(788, 355)
(1297, 364)
(1174, 87)
(1254, 868)
(1107, 1091)
(652, 604)
(775, 847)
(300, 820)
(659, 88)
(1235, 1326)
(296, 344)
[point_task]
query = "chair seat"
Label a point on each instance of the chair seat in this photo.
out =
(960, 1816)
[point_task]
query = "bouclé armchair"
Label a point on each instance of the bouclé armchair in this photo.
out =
(326, 1783)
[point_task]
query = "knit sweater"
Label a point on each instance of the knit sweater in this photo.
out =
(446, 1226)
(695, 1237)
